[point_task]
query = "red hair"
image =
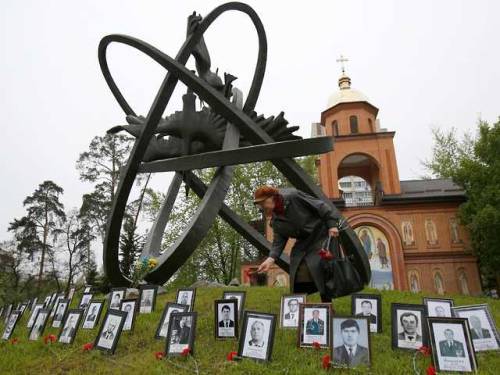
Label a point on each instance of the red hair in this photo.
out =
(279, 204)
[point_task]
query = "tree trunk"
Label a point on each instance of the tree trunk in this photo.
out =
(44, 244)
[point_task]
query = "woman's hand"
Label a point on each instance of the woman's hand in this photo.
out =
(333, 232)
(265, 265)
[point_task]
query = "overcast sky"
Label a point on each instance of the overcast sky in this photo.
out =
(422, 63)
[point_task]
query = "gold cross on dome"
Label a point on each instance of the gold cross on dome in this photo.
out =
(342, 60)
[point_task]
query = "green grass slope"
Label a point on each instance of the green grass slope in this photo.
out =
(135, 351)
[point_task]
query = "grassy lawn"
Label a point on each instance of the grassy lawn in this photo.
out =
(135, 351)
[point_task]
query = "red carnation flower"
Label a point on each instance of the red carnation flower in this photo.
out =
(316, 345)
(325, 254)
(231, 355)
(325, 361)
(14, 341)
(88, 346)
(425, 350)
(49, 338)
(431, 370)
(159, 355)
(185, 352)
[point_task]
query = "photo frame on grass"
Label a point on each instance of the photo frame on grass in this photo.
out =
(351, 344)
(130, 307)
(32, 317)
(181, 333)
(10, 324)
(240, 296)
(186, 296)
(438, 307)
(60, 312)
(257, 336)
(115, 297)
(226, 319)
(409, 330)
(147, 298)
(110, 331)
(289, 311)
(452, 348)
(39, 325)
(85, 300)
(69, 329)
(369, 306)
(92, 314)
(314, 325)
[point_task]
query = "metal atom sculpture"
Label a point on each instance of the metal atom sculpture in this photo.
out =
(222, 134)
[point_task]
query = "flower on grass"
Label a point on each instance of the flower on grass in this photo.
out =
(152, 262)
(325, 361)
(431, 370)
(14, 341)
(316, 345)
(325, 254)
(185, 352)
(230, 356)
(425, 350)
(159, 355)
(49, 338)
(88, 346)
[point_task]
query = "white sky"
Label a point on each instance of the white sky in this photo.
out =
(422, 63)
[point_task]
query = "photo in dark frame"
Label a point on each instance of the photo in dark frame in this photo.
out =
(130, 307)
(438, 307)
(369, 306)
(115, 297)
(10, 325)
(289, 311)
(181, 333)
(186, 296)
(314, 325)
(147, 298)
(257, 336)
(351, 345)
(240, 296)
(170, 307)
(69, 329)
(226, 319)
(39, 325)
(93, 313)
(60, 312)
(409, 328)
(109, 333)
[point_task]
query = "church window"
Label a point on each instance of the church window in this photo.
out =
(335, 127)
(353, 122)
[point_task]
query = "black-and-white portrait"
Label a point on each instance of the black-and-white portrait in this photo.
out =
(60, 313)
(257, 336)
(39, 324)
(289, 316)
(110, 331)
(239, 296)
(314, 324)
(115, 298)
(181, 331)
(226, 318)
(483, 331)
(59, 297)
(92, 315)
(70, 327)
(169, 309)
(409, 329)
(128, 306)
(440, 308)
(370, 307)
(84, 302)
(451, 345)
(32, 317)
(351, 341)
(147, 299)
(186, 297)
(11, 324)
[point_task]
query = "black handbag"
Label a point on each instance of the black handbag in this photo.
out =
(341, 277)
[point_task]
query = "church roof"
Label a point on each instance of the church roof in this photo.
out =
(424, 190)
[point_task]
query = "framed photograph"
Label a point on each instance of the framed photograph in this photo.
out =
(130, 307)
(52, 299)
(181, 333)
(110, 331)
(32, 317)
(23, 307)
(147, 298)
(409, 330)
(186, 296)
(115, 297)
(351, 341)
(452, 348)
(46, 302)
(483, 332)
(314, 324)
(370, 307)
(226, 318)
(289, 312)
(7, 312)
(10, 325)
(85, 300)
(39, 325)
(31, 304)
(240, 296)
(60, 312)
(170, 308)
(87, 289)
(70, 326)
(92, 314)
(59, 297)
(257, 336)
(71, 293)
(438, 307)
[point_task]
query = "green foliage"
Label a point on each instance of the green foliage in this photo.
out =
(135, 353)
(474, 164)
(131, 245)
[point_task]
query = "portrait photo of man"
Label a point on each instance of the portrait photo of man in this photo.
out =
(315, 325)
(367, 311)
(409, 334)
(351, 352)
(115, 301)
(129, 308)
(92, 315)
(451, 347)
(291, 317)
(226, 322)
(109, 333)
(477, 331)
(257, 334)
(69, 329)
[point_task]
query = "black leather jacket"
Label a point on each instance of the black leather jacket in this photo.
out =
(302, 214)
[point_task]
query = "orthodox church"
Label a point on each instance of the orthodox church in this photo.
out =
(409, 228)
